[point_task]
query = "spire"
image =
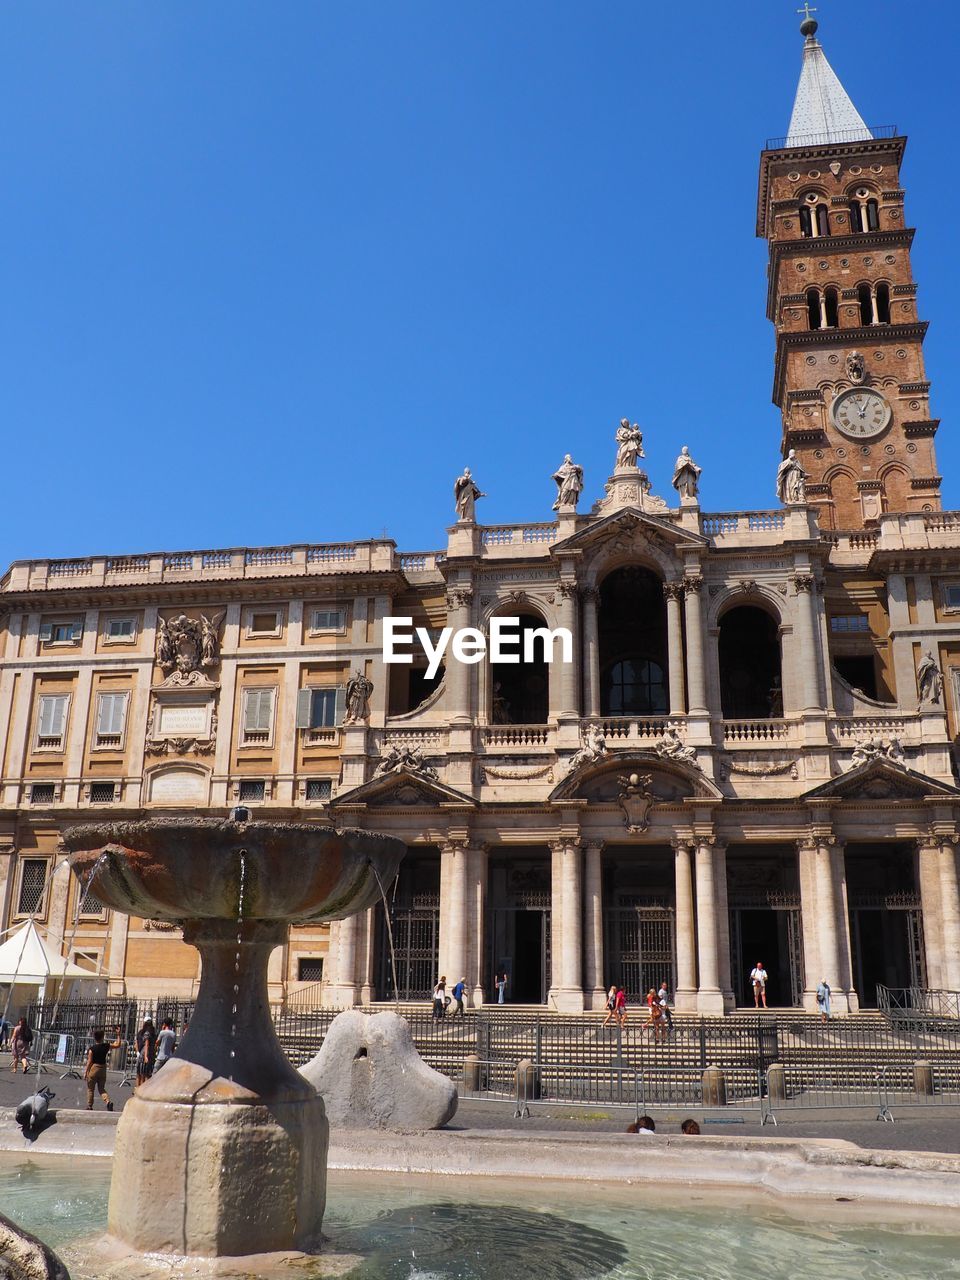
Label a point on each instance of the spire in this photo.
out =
(822, 111)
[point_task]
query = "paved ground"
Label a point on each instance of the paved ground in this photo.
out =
(936, 1128)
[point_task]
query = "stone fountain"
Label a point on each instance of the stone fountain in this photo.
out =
(224, 1151)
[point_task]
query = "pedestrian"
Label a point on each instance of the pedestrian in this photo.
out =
(501, 982)
(664, 999)
(823, 999)
(95, 1071)
(119, 1048)
(20, 1043)
(5, 1029)
(460, 995)
(440, 999)
(657, 1024)
(611, 1006)
(690, 1127)
(166, 1044)
(146, 1051)
(758, 979)
(646, 1126)
(620, 1006)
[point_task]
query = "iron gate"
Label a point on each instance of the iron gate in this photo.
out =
(416, 941)
(641, 944)
(772, 900)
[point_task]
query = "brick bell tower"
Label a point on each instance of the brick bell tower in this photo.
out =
(849, 377)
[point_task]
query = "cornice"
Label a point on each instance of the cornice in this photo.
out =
(807, 247)
(862, 335)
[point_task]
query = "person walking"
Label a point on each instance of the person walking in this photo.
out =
(95, 1071)
(823, 999)
(166, 1044)
(20, 1043)
(5, 1029)
(440, 999)
(758, 979)
(460, 995)
(611, 1006)
(620, 1006)
(657, 1024)
(146, 1051)
(501, 981)
(664, 999)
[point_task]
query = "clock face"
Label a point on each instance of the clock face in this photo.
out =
(861, 412)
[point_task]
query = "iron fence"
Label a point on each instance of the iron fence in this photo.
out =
(918, 1003)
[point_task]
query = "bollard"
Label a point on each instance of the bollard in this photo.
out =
(714, 1088)
(471, 1073)
(527, 1080)
(776, 1083)
(923, 1078)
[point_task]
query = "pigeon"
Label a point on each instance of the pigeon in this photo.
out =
(32, 1111)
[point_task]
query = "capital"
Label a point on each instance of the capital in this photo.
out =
(693, 584)
(459, 597)
(803, 583)
(673, 591)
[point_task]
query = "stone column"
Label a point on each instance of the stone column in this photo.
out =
(568, 703)
(928, 867)
(556, 921)
(693, 614)
(709, 996)
(723, 924)
(831, 929)
(949, 913)
(478, 902)
(570, 996)
(458, 673)
(807, 875)
(806, 649)
(344, 992)
(673, 591)
(454, 906)
(593, 926)
(686, 993)
(591, 652)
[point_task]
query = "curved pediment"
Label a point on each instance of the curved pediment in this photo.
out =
(666, 781)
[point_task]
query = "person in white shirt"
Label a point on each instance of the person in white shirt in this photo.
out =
(440, 999)
(758, 976)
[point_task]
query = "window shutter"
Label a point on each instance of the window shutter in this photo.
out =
(304, 708)
(257, 707)
(265, 710)
(52, 710)
(76, 631)
(340, 706)
(111, 716)
(46, 632)
(250, 710)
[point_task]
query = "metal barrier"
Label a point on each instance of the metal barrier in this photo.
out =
(872, 1086)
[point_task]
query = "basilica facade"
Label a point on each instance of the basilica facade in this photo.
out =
(750, 757)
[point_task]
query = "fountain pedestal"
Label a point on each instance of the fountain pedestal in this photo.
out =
(224, 1151)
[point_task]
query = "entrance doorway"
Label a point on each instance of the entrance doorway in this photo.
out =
(763, 895)
(519, 927)
(886, 922)
(414, 905)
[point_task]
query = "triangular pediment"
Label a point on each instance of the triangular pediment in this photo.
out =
(667, 781)
(630, 522)
(881, 780)
(402, 788)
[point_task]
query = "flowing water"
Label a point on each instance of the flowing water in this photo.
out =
(473, 1229)
(389, 921)
(241, 892)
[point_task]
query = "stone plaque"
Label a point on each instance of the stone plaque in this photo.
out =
(179, 786)
(183, 720)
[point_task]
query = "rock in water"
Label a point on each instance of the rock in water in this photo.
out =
(370, 1076)
(24, 1257)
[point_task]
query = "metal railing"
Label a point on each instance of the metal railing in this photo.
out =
(834, 136)
(918, 1003)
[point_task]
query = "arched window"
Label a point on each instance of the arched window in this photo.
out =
(823, 220)
(864, 211)
(865, 298)
(883, 303)
(814, 220)
(750, 672)
(632, 624)
(873, 216)
(831, 306)
(813, 308)
(519, 690)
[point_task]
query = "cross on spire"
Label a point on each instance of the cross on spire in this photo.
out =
(807, 10)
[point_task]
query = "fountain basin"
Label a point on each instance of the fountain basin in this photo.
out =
(224, 1151)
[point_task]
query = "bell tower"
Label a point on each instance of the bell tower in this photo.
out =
(849, 377)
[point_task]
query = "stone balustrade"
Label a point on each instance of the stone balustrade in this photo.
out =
(619, 730)
(759, 528)
(750, 733)
(500, 737)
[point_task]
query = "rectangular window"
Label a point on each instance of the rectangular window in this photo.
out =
(319, 788)
(330, 620)
(257, 716)
(33, 884)
(61, 632)
(103, 792)
(121, 628)
(310, 969)
(321, 708)
(252, 791)
(111, 719)
(845, 623)
(951, 596)
(52, 720)
(43, 793)
(264, 623)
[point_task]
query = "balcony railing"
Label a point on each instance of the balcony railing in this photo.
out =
(623, 729)
(834, 136)
(740, 732)
(498, 736)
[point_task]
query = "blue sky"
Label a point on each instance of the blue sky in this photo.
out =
(275, 272)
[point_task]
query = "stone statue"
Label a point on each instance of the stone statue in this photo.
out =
(406, 760)
(876, 748)
(209, 641)
(164, 649)
(629, 444)
(593, 748)
(359, 689)
(929, 680)
(501, 707)
(686, 475)
(465, 494)
(856, 366)
(791, 478)
(569, 478)
(186, 646)
(669, 746)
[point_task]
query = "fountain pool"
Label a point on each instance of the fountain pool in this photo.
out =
(473, 1229)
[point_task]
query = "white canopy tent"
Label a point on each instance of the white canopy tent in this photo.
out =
(32, 969)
